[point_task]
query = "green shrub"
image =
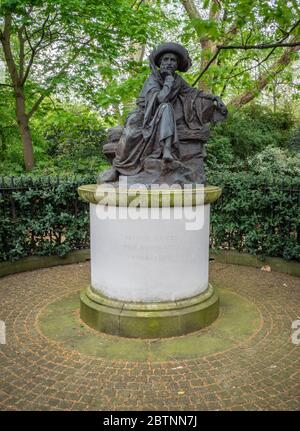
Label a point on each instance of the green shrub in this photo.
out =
(294, 140)
(71, 140)
(66, 138)
(11, 153)
(275, 163)
(249, 131)
(256, 215)
(219, 152)
(42, 216)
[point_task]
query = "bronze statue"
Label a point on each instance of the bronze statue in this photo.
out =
(163, 139)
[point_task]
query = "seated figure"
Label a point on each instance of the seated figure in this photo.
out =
(163, 139)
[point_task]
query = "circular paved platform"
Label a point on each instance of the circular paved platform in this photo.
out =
(244, 361)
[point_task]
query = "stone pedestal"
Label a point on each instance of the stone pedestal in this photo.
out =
(149, 261)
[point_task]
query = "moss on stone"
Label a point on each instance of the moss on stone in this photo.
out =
(239, 320)
(94, 194)
(140, 320)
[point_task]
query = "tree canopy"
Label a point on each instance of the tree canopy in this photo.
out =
(95, 51)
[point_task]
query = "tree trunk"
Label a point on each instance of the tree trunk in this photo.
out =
(208, 48)
(286, 58)
(23, 124)
(139, 53)
(16, 79)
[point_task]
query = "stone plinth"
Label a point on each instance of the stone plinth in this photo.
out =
(149, 261)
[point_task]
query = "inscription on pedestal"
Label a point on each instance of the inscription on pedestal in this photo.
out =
(148, 260)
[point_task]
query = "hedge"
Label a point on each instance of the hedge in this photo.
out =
(257, 216)
(44, 216)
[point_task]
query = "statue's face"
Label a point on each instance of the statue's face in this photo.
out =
(168, 62)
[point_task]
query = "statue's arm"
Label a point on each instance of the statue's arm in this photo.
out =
(220, 107)
(220, 111)
(155, 94)
(164, 93)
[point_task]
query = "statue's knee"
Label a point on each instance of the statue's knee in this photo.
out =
(167, 110)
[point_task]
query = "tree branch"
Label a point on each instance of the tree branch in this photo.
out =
(278, 43)
(34, 49)
(206, 44)
(261, 46)
(191, 9)
(6, 85)
(274, 45)
(53, 85)
(8, 55)
(207, 66)
(285, 59)
(239, 60)
(28, 39)
(21, 54)
(139, 4)
(253, 67)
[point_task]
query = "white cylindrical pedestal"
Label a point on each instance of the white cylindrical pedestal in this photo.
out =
(144, 257)
(149, 263)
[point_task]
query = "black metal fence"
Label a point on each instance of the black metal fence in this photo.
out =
(45, 216)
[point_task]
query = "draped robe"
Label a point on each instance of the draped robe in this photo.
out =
(167, 110)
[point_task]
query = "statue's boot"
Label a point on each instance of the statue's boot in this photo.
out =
(108, 176)
(167, 155)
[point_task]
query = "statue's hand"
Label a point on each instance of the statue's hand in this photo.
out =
(219, 105)
(169, 81)
(167, 75)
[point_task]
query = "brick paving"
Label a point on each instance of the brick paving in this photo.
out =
(261, 372)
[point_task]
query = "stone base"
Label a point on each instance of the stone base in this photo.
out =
(148, 320)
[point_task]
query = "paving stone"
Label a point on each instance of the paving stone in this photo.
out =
(259, 371)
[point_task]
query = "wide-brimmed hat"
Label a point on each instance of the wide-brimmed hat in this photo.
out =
(184, 61)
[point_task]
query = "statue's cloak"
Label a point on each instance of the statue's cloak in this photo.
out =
(183, 115)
